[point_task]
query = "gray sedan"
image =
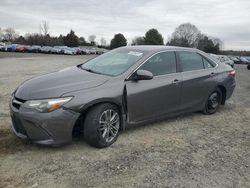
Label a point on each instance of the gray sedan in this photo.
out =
(124, 87)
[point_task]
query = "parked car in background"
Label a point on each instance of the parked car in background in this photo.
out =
(21, 48)
(10, 47)
(248, 63)
(124, 87)
(46, 49)
(223, 59)
(247, 57)
(78, 51)
(85, 51)
(69, 51)
(239, 60)
(99, 51)
(92, 50)
(54, 50)
(58, 49)
(2, 46)
(235, 59)
(244, 60)
(35, 49)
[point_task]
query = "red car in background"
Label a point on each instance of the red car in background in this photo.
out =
(21, 48)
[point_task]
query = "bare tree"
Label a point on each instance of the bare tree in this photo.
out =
(10, 34)
(92, 38)
(187, 32)
(217, 41)
(44, 28)
(103, 41)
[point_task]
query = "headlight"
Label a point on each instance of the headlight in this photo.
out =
(47, 105)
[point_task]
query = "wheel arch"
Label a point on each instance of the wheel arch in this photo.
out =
(85, 109)
(223, 92)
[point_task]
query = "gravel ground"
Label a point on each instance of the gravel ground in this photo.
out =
(194, 150)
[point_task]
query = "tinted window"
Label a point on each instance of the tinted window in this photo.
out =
(190, 61)
(207, 64)
(162, 63)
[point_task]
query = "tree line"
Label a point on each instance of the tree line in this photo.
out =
(185, 35)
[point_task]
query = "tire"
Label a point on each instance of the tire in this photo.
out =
(213, 102)
(99, 131)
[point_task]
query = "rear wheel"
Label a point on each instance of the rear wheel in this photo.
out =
(213, 102)
(102, 125)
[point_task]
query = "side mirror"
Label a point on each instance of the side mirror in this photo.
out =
(248, 67)
(143, 75)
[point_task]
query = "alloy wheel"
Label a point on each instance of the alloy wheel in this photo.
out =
(213, 101)
(109, 125)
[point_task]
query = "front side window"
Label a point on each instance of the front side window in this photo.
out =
(190, 61)
(114, 62)
(160, 64)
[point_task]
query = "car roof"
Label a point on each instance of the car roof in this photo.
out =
(156, 48)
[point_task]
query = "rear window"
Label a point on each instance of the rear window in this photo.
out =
(190, 61)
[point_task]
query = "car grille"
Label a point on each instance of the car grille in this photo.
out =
(17, 124)
(16, 102)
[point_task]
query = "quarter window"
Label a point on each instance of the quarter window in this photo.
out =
(162, 63)
(190, 61)
(207, 64)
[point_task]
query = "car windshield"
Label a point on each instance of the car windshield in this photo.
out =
(113, 63)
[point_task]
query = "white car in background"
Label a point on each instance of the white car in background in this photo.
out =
(58, 49)
(2, 46)
(69, 51)
(46, 49)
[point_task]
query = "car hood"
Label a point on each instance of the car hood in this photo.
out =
(55, 84)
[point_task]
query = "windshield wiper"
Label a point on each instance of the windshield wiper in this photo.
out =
(89, 70)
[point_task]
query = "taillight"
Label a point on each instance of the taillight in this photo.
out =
(232, 73)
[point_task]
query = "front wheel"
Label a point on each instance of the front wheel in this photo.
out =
(213, 102)
(102, 125)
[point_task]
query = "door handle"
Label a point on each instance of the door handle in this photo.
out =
(176, 82)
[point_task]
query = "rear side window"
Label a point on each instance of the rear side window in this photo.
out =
(207, 64)
(160, 64)
(190, 61)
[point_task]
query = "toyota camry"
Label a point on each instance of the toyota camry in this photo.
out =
(124, 87)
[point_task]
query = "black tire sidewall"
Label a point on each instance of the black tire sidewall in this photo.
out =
(212, 111)
(91, 125)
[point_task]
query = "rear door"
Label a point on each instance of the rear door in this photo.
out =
(198, 79)
(147, 99)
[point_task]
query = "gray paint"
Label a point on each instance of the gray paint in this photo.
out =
(140, 101)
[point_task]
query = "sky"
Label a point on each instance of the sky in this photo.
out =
(228, 20)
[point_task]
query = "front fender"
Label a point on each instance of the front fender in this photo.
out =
(108, 92)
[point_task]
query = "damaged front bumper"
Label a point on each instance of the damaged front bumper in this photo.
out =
(53, 128)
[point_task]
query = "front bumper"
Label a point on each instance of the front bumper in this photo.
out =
(54, 128)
